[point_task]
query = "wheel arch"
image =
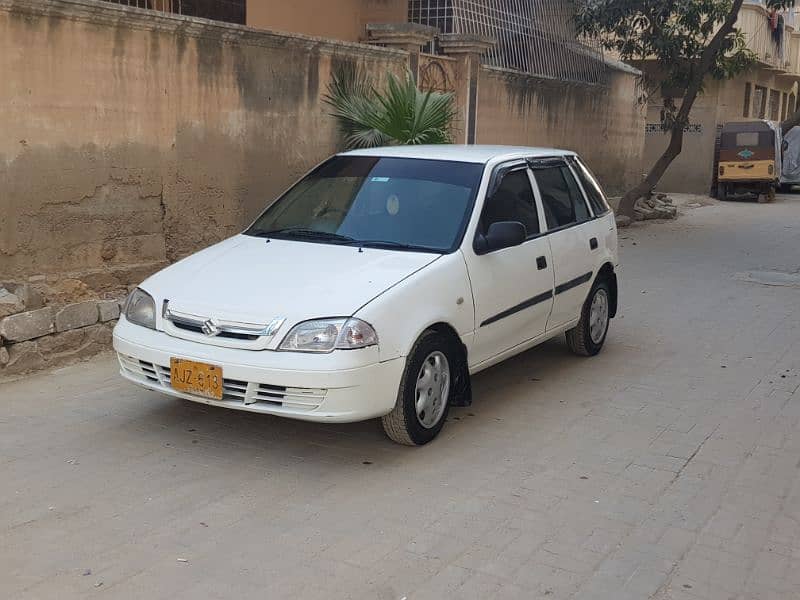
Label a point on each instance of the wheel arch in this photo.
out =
(462, 382)
(608, 274)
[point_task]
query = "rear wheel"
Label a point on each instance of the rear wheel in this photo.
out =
(588, 336)
(766, 196)
(722, 191)
(423, 399)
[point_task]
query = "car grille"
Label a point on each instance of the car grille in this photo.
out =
(234, 391)
(223, 334)
(218, 331)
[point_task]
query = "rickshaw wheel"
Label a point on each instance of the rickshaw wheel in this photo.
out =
(767, 196)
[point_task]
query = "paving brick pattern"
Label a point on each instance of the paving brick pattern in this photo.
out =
(667, 467)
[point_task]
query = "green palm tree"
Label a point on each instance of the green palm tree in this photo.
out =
(401, 115)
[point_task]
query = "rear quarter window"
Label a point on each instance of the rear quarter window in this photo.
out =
(594, 193)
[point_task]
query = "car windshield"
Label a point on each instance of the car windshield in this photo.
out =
(395, 203)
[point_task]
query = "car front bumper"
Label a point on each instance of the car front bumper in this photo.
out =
(335, 390)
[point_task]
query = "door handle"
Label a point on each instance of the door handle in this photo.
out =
(541, 263)
(593, 243)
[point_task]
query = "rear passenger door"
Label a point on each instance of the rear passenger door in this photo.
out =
(571, 235)
(603, 226)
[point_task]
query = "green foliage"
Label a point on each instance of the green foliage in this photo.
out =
(672, 32)
(401, 115)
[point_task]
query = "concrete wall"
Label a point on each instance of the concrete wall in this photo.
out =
(133, 138)
(692, 169)
(604, 124)
(337, 19)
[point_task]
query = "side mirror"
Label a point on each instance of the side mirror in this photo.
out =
(503, 234)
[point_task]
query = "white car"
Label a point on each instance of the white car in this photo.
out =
(376, 285)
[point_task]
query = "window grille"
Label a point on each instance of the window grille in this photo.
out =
(774, 105)
(747, 92)
(759, 102)
(532, 36)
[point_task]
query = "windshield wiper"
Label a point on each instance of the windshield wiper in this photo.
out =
(391, 245)
(302, 232)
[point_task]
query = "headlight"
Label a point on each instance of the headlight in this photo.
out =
(141, 309)
(323, 335)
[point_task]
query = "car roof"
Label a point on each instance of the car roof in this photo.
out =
(472, 153)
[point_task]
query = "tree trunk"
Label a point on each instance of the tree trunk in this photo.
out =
(707, 60)
(646, 186)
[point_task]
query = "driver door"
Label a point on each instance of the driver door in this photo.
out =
(512, 287)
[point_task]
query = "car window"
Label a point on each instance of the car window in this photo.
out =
(414, 203)
(562, 200)
(512, 201)
(594, 192)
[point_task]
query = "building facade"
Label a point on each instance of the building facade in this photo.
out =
(767, 91)
(343, 20)
(534, 37)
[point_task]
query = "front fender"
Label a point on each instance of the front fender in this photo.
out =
(438, 293)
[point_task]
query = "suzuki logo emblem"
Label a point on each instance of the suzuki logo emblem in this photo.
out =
(210, 328)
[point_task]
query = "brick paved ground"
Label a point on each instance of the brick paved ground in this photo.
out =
(667, 467)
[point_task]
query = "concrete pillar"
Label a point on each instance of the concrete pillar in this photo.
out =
(402, 36)
(467, 48)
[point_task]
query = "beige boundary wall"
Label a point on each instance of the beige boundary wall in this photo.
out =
(604, 124)
(135, 137)
(131, 138)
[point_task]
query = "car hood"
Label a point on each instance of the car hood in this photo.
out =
(254, 280)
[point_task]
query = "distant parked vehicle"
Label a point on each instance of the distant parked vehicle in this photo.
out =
(790, 159)
(749, 160)
(377, 284)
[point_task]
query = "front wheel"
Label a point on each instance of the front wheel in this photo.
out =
(588, 336)
(425, 392)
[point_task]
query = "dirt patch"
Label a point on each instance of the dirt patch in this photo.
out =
(772, 278)
(691, 201)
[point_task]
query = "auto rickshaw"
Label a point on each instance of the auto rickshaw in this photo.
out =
(749, 160)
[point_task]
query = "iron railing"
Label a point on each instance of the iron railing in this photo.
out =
(532, 36)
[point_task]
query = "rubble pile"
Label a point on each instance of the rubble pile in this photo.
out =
(35, 334)
(658, 206)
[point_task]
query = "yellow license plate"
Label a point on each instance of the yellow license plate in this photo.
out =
(197, 378)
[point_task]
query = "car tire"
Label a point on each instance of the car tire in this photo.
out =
(588, 336)
(722, 192)
(431, 360)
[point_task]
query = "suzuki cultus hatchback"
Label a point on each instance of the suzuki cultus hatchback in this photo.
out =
(379, 283)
